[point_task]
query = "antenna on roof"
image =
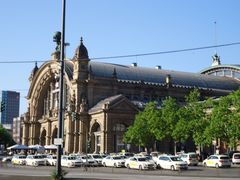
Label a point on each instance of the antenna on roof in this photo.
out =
(215, 58)
(215, 36)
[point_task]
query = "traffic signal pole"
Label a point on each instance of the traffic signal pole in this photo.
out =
(61, 88)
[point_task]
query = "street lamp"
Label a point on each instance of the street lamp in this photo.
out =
(61, 86)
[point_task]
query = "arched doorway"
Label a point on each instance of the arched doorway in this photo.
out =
(43, 138)
(95, 138)
(54, 134)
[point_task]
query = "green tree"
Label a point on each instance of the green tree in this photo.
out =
(233, 132)
(140, 133)
(5, 137)
(219, 120)
(169, 116)
(196, 115)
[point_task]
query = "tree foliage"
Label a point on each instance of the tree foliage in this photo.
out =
(5, 137)
(204, 121)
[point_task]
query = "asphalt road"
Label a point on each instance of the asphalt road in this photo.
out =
(9, 172)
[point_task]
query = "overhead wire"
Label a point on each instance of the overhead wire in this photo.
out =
(137, 55)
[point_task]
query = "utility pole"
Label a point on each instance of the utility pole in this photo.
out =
(61, 88)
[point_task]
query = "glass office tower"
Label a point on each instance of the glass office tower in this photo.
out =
(11, 101)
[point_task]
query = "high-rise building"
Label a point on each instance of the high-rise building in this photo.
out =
(11, 101)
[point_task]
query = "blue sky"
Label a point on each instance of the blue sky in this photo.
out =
(111, 28)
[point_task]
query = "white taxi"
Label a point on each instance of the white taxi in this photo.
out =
(113, 161)
(19, 159)
(51, 160)
(217, 161)
(70, 161)
(35, 160)
(139, 163)
(171, 162)
(236, 158)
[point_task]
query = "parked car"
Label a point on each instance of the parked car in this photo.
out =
(230, 153)
(7, 159)
(217, 161)
(19, 159)
(139, 163)
(51, 160)
(97, 157)
(171, 162)
(190, 158)
(87, 160)
(35, 160)
(70, 161)
(236, 158)
(113, 161)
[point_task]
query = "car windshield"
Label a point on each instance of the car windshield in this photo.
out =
(97, 156)
(142, 159)
(22, 157)
(237, 156)
(193, 155)
(71, 158)
(117, 157)
(148, 157)
(224, 157)
(54, 157)
(175, 158)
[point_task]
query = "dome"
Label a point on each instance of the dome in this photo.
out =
(81, 51)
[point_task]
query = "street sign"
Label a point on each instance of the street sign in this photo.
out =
(58, 141)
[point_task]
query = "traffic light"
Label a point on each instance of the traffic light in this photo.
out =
(2, 106)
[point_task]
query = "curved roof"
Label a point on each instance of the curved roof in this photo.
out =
(222, 66)
(157, 76)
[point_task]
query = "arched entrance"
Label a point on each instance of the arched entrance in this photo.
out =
(43, 138)
(54, 134)
(95, 138)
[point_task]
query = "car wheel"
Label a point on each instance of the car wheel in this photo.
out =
(172, 168)
(115, 165)
(158, 166)
(204, 164)
(216, 165)
(128, 166)
(104, 164)
(140, 167)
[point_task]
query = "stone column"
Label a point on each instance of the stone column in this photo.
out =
(49, 132)
(76, 136)
(69, 134)
(25, 133)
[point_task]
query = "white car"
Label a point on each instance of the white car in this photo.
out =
(19, 159)
(139, 163)
(70, 161)
(35, 160)
(51, 160)
(113, 161)
(236, 158)
(7, 159)
(97, 157)
(87, 160)
(217, 161)
(171, 162)
(190, 158)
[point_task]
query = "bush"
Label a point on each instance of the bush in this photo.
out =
(55, 176)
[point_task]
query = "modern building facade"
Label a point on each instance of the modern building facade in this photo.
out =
(11, 101)
(102, 99)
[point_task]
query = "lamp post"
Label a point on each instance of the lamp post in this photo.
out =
(61, 86)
